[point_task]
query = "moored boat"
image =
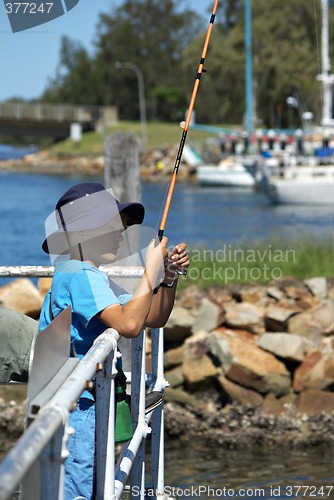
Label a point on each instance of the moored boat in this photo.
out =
(301, 185)
(228, 172)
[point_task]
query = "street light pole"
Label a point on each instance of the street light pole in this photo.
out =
(141, 95)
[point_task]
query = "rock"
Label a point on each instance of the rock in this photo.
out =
(315, 322)
(12, 418)
(314, 402)
(296, 292)
(197, 367)
(235, 392)
(273, 406)
(245, 316)
(220, 349)
(289, 401)
(275, 293)
(302, 296)
(318, 287)
(252, 367)
(44, 285)
(190, 298)
(254, 295)
(179, 325)
(277, 315)
(21, 295)
(209, 316)
(220, 295)
(316, 371)
(175, 376)
(180, 396)
(173, 357)
(284, 345)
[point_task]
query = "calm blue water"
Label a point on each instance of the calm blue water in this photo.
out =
(206, 217)
(11, 152)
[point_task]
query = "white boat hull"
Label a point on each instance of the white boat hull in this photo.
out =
(306, 186)
(224, 175)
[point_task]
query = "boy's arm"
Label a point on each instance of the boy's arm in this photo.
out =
(129, 319)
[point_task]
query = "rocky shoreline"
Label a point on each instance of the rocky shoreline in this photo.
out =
(155, 165)
(248, 365)
(232, 427)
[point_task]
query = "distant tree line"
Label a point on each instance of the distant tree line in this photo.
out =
(165, 39)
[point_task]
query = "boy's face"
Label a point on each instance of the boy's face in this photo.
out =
(102, 245)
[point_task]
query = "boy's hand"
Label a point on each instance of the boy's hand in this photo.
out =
(179, 258)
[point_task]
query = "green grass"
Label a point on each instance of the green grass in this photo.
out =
(158, 134)
(260, 263)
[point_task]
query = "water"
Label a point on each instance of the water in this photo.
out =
(251, 473)
(11, 152)
(207, 217)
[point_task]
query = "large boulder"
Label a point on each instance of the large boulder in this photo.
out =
(44, 285)
(254, 295)
(173, 357)
(318, 287)
(284, 345)
(277, 315)
(250, 366)
(314, 402)
(209, 316)
(245, 316)
(179, 325)
(235, 392)
(21, 295)
(316, 371)
(317, 321)
(198, 368)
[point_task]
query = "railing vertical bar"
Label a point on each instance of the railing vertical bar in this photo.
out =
(105, 429)
(138, 412)
(157, 443)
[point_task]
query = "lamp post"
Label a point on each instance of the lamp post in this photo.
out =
(141, 95)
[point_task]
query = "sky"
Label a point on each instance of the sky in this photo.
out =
(28, 58)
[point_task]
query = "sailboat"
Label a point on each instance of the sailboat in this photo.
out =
(311, 182)
(229, 172)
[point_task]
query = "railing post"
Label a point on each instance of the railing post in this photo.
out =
(105, 429)
(157, 441)
(137, 475)
(52, 470)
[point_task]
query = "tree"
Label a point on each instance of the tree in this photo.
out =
(75, 76)
(151, 34)
(165, 40)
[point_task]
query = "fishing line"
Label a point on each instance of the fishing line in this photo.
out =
(172, 182)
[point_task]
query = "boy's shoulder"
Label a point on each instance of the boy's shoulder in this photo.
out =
(77, 271)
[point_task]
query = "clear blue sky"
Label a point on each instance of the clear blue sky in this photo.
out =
(28, 58)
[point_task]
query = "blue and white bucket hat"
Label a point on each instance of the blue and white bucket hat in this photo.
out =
(85, 206)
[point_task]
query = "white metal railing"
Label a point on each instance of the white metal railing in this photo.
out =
(37, 459)
(47, 271)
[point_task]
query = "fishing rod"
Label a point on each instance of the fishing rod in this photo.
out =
(172, 181)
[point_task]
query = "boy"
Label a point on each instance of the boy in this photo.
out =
(90, 223)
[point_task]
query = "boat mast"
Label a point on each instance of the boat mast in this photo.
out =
(326, 77)
(248, 71)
